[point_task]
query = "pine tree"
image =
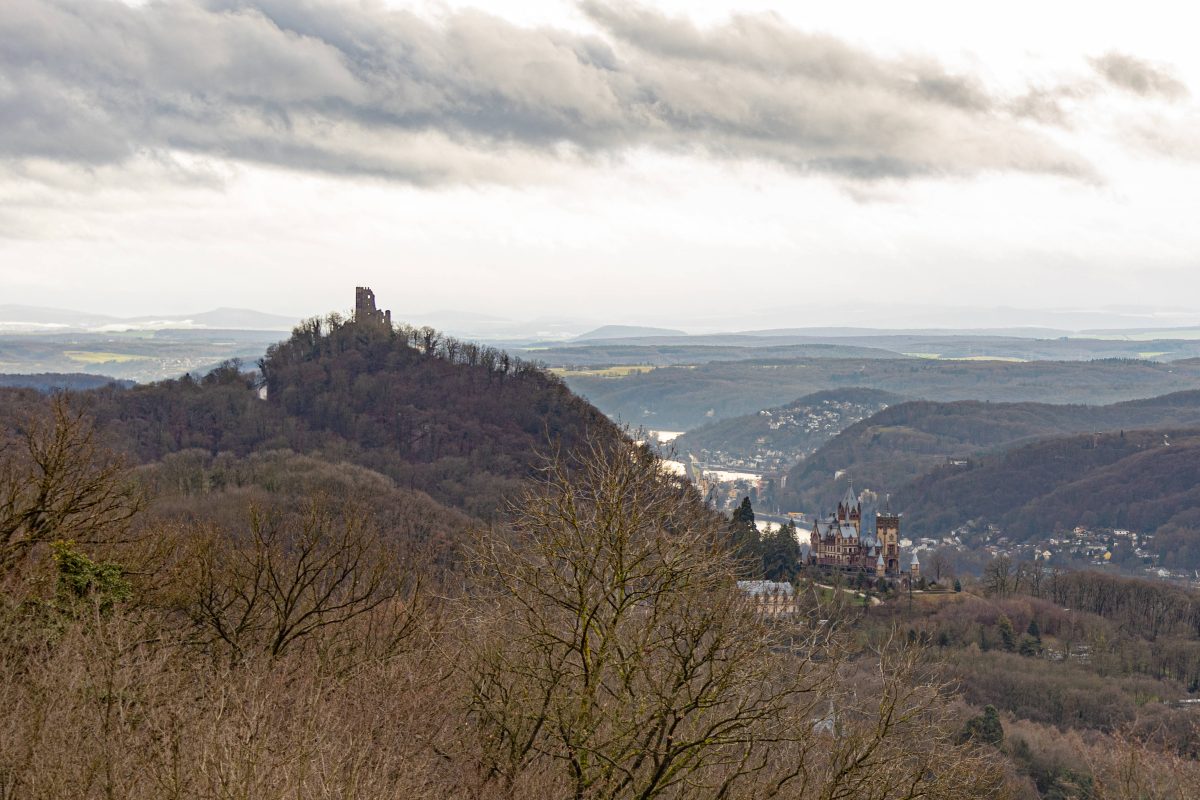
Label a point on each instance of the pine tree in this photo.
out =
(781, 553)
(984, 728)
(744, 540)
(1008, 636)
(957, 585)
(1031, 642)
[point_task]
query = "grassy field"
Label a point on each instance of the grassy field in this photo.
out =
(940, 357)
(94, 357)
(605, 372)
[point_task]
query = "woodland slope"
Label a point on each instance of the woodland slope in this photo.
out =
(900, 443)
(463, 423)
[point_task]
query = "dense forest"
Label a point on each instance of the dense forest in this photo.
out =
(1146, 481)
(462, 422)
(685, 397)
(891, 449)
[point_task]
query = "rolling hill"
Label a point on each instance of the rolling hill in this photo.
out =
(682, 398)
(778, 437)
(1146, 481)
(460, 422)
(895, 447)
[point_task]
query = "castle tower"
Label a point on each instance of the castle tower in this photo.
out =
(365, 310)
(887, 533)
(849, 510)
(914, 568)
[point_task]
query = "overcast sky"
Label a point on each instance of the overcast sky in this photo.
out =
(678, 163)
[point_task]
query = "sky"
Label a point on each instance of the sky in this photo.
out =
(689, 164)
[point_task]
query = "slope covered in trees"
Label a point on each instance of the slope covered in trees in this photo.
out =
(459, 421)
(53, 381)
(1146, 481)
(896, 446)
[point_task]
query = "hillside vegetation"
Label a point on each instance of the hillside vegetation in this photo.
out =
(458, 421)
(893, 448)
(682, 398)
(1136, 480)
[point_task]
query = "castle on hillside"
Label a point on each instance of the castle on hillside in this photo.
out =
(838, 542)
(364, 308)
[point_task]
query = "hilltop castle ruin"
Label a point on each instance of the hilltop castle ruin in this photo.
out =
(364, 308)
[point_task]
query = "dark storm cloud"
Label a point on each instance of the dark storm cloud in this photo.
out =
(1137, 76)
(359, 89)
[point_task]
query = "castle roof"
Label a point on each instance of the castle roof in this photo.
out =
(849, 501)
(915, 561)
(757, 588)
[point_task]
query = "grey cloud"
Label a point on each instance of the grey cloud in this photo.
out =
(359, 89)
(1138, 76)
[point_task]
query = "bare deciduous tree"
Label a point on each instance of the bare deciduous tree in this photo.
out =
(56, 482)
(617, 658)
(612, 656)
(293, 577)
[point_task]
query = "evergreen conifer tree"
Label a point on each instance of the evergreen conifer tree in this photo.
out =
(744, 540)
(1008, 636)
(781, 553)
(985, 728)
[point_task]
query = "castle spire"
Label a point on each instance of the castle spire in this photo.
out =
(850, 501)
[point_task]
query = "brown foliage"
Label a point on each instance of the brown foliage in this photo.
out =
(57, 483)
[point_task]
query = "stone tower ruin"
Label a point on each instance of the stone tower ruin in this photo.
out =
(364, 308)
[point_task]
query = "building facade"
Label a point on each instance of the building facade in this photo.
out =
(839, 542)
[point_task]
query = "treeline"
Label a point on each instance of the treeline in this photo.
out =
(1075, 664)
(55, 381)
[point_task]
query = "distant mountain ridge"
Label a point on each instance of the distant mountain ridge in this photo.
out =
(20, 318)
(626, 332)
(686, 397)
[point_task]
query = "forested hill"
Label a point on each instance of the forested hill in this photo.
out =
(1140, 480)
(54, 381)
(896, 446)
(681, 398)
(777, 437)
(462, 422)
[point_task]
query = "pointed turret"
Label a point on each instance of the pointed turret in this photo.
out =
(849, 509)
(850, 501)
